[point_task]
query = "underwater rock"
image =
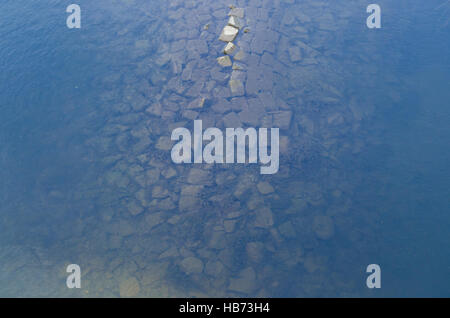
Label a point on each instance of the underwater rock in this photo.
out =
(238, 66)
(234, 22)
(237, 88)
(189, 199)
(164, 143)
(264, 187)
(263, 218)
(154, 219)
(237, 12)
(255, 251)
(197, 103)
(224, 61)
(282, 119)
(295, 54)
(231, 120)
(199, 176)
(191, 265)
(166, 204)
(287, 230)
(218, 240)
(217, 75)
(214, 268)
(134, 208)
(228, 34)
(159, 192)
(229, 225)
(222, 106)
(189, 114)
(323, 227)
(169, 173)
(129, 287)
(245, 283)
(238, 75)
(200, 46)
(239, 55)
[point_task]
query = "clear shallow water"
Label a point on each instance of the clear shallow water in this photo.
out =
(85, 178)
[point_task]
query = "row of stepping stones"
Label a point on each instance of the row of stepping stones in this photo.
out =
(229, 33)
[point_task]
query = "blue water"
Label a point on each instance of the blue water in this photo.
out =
(85, 177)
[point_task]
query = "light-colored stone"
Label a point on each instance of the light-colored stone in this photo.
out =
(228, 34)
(239, 56)
(235, 22)
(229, 48)
(224, 61)
(238, 75)
(237, 88)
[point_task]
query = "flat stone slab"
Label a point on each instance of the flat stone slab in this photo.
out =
(238, 75)
(235, 22)
(237, 12)
(224, 61)
(228, 34)
(239, 55)
(237, 88)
